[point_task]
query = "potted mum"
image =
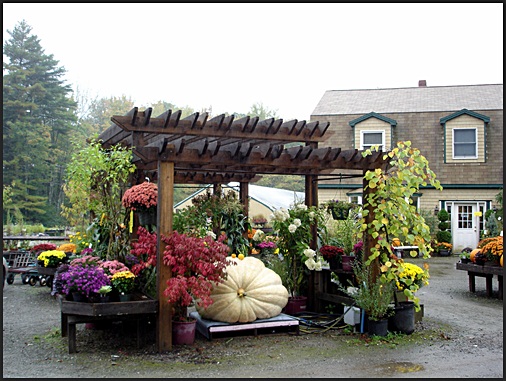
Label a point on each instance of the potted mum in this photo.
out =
(124, 283)
(332, 254)
(51, 258)
(408, 279)
(197, 264)
(83, 281)
(142, 198)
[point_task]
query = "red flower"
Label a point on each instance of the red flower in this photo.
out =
(329, 251)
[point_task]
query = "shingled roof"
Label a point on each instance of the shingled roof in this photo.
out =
(410, 99)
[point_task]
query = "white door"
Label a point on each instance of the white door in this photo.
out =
(465, 226)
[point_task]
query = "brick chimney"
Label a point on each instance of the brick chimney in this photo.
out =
(422, 83)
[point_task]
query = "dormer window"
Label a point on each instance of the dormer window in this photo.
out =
(464, 135)
(372, 130)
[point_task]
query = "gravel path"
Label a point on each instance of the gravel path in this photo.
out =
(461, 335)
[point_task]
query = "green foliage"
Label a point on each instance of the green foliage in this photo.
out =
(38, 116)
(444, 236)
(95, 179)
(443, 215)
(392, 216)
(217, 212)
(491, 226)
(343, 233)
(431, 220)
(294, 228)
(373, 295)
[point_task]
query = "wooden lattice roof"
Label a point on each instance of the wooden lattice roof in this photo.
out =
(223, 149)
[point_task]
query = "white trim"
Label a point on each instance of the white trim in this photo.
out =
(382, 132)
(475, 144)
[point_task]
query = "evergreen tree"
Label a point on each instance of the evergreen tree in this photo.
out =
(38, 116)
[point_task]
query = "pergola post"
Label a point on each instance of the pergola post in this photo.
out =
(368, 239)
(165, 209)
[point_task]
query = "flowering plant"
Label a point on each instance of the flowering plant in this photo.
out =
(258, 220)
(197, 264)
(86, 260)
(294, 229)
(43, 247)
(141, 197)
(408, 277)
(81, 241)
(87, 251)
(123, 281)
(442, 246)
(144, 255)
(112, 267)
(67, 247)
(358, 248)
(83, 279)
(265, 243)
(492, 247)
(329, 251)
(52, 258)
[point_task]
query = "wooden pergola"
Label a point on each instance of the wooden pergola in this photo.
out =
(199, 150)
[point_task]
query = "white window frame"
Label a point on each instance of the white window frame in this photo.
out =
(475, 144)
(381, 146)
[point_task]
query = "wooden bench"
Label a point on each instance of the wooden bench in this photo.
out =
(72, 313)
(488, 272)
(399, 250)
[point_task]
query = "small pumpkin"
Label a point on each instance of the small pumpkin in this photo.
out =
(396, 242)
(251, 291)
(500, 261)
(472, 255)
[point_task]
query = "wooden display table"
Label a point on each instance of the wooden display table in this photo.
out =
(73, 313)
(327, 291)
(486, 271)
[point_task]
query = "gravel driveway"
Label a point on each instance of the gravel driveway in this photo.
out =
(461, 335)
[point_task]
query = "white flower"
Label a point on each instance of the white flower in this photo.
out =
(310, 264)
(310, 253)
(312, 215)
(318, 265)
(301, 206)
(297, 222)
(259, 235)
(211, 234)
(280, 215)
(292, 228)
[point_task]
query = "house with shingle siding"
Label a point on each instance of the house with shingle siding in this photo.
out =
(459, 129)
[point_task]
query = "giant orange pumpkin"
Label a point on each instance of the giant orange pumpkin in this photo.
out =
(473, 254)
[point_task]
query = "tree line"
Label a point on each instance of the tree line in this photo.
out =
(45, 121)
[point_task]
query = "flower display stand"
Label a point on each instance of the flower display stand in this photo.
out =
(72, 313)
(488, 272)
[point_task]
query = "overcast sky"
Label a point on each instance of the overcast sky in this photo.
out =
(230, 56)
